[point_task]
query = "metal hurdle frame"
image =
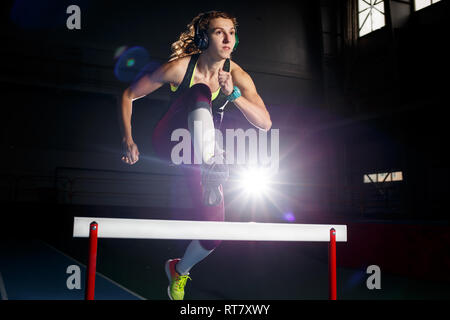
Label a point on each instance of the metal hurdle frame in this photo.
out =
(94, 228)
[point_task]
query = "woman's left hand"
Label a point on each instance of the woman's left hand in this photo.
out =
(226, 82)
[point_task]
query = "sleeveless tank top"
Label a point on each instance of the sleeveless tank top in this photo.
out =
(218, 98)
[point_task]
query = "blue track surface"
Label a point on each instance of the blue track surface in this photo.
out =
(33, 270)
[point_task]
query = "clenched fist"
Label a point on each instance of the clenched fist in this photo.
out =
(226, 80)
(130, 152)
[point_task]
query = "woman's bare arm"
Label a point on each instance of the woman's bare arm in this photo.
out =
(250, 103)
(148, 83)
(145, 85)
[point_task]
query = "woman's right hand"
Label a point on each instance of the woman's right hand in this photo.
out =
(130, 152)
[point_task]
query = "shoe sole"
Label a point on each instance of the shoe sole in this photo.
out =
(167, 268)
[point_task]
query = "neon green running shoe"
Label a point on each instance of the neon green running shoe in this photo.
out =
(177, 282)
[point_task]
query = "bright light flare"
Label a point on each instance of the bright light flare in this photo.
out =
(255, 181)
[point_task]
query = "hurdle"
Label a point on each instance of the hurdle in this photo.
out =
(94, 228)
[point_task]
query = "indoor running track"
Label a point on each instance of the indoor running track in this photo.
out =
(33, 270)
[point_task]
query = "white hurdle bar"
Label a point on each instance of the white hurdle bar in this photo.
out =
(94, 228)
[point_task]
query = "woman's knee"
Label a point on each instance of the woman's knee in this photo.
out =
(199, 96)
(201, 89)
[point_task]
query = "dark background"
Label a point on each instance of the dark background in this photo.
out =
(344, 107)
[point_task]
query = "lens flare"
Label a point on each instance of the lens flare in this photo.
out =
(255, 181)
(289, 216)
(119, 51)
(130, 63)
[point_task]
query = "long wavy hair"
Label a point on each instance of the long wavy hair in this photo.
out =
(185, 45)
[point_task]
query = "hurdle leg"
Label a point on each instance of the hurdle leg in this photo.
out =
(92, 262)
(332, 265)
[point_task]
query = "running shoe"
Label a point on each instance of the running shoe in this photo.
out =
(177, 282)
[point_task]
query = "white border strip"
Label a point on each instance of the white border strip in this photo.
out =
(206, 230)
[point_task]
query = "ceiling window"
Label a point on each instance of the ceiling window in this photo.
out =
(370, 16)
(383, 177)
(420, 4)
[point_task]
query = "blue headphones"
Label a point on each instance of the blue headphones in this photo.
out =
(201, 39)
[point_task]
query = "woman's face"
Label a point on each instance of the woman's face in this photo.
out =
(221, 34)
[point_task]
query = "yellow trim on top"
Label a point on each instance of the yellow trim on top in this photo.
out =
(193, 74)
(215, 94)
(175, 88)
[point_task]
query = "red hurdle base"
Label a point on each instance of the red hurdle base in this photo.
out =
(92, 262)
(332, 265)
